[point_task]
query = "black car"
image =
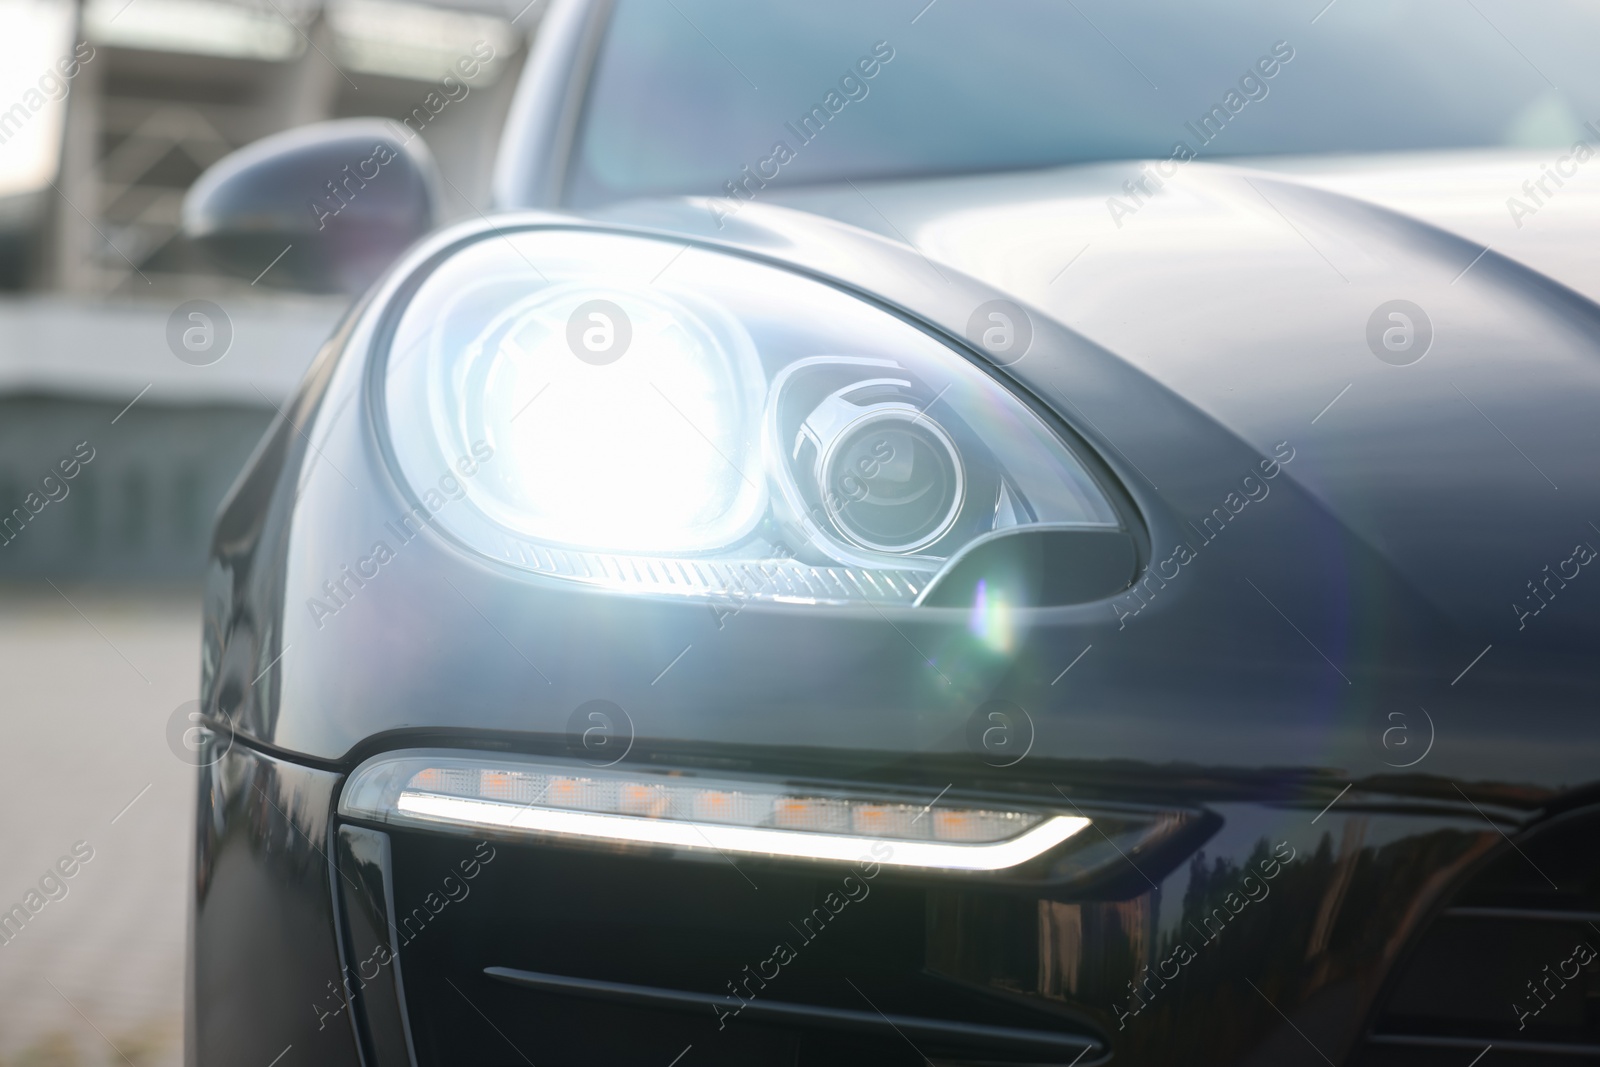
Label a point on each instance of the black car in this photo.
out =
(897, 540)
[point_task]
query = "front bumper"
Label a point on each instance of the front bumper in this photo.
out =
(1290, 936)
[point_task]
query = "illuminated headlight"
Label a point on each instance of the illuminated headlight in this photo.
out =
(578, 803)
(689, 422)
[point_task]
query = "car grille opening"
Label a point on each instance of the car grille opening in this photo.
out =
(582, 956)
(1500, 963)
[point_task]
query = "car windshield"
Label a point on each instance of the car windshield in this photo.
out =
(687, 96)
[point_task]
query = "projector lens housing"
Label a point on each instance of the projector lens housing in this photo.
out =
(896, 480)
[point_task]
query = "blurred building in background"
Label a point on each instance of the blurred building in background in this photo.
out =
(109, 110)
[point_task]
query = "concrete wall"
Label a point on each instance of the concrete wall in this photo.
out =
(141, 509)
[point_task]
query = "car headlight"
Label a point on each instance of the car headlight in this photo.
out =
(627, 413)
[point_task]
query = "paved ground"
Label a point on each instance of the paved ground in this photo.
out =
(95, 977)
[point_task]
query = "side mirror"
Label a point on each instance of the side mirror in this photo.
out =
(338, 201)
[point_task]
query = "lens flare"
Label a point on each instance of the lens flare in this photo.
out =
(990, 620)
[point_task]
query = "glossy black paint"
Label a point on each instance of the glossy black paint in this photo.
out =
(602, 972)
(1312, 917)
(371, 947)
(338, 200)
(1206, 698)
(1259, 681)
(942, 1036)
(1214, 675)
(264, 971)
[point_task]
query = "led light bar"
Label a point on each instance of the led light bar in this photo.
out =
(575, 801)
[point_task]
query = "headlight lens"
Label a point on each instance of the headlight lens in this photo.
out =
(624, 454)
(623, 412)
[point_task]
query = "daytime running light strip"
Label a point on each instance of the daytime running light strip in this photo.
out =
(992, 856)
